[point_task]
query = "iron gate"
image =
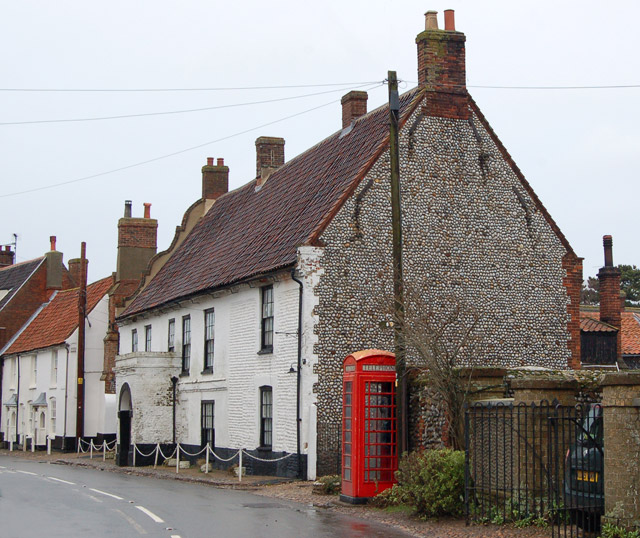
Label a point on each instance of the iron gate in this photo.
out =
(535, 464)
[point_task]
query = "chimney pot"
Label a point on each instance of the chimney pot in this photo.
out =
(127, 209)
(209, 161)
(449, 20)
(607, 241)
(431, 20)
(220, 162)
(52, 239)
(147, 210)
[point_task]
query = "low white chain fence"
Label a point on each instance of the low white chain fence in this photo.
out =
(157, 452)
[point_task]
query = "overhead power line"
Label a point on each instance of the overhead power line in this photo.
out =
(173, 154)
(165, 113)
(218, 89)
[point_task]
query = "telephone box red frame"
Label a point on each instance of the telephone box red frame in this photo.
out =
(369, 442)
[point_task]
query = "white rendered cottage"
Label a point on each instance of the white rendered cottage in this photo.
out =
(39, 384)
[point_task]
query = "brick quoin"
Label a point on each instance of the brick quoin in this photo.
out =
(572, 281)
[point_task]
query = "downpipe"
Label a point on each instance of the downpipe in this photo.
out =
(298, 370)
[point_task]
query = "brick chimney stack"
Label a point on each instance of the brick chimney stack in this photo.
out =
(609, 278)
(54, 266)
(7, 256)
(441, 67)
(215, 179)
(269, 155)
(354, 105)
(137, 243)
(75, 269)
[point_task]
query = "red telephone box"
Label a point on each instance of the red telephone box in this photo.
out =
(369, 452)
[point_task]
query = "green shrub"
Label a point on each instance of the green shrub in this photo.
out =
(614, 531)
(328, 485)
(431, 482)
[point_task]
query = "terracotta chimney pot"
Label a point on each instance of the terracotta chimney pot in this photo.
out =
(431, 20)
(52, 239)
(449, 20)
(147, 210)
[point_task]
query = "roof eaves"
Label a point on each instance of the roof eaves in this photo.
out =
(177, 300)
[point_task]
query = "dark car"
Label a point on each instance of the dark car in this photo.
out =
(584, 478)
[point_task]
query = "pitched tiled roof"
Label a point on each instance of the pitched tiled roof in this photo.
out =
(248, 233)
(58, 319)
(630, 329)
(590, 323)
(14, 276)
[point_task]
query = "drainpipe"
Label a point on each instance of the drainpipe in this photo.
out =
(66, 397)
(174, 382)
(299, 370)
(18, 403)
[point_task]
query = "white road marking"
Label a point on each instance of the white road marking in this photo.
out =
(1, 467)
(132, 522)
(150, 514)
(175, 536)
(107, 494)
(28, 472)
(60, 480)
(94, 499)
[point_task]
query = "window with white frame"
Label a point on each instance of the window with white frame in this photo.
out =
(186, 344)
(209, 336)
(34, 370)
(266, 417)
(52, 415)
(13, 375)
(134, 340)
(266, 329)
(171, 336)
(147, 337)
(54, 368)
(207, 435)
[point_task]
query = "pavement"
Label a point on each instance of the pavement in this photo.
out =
(291, 490)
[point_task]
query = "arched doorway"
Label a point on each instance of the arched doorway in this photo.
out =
(125, 410)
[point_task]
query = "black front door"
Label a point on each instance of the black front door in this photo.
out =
(125, 437)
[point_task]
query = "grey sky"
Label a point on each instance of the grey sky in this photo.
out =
(578, 148)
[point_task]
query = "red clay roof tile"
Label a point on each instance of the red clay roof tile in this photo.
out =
(248, 233)
(58, 319)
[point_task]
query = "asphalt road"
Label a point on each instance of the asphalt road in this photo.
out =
(45, 499)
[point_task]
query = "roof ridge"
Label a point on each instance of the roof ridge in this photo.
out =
(24, 262)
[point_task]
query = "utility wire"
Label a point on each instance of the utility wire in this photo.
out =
(601, 87)
(166, 156)
(144, 114)
(226, 88)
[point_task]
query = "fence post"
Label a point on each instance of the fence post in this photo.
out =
(240, 466)
(91, 450)
(134, 454)
(206, 468)
(155, 461)
(621, 415)
(79, 441)
(178, 458)
(10, 446)
(48, 445)
(104, 451)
